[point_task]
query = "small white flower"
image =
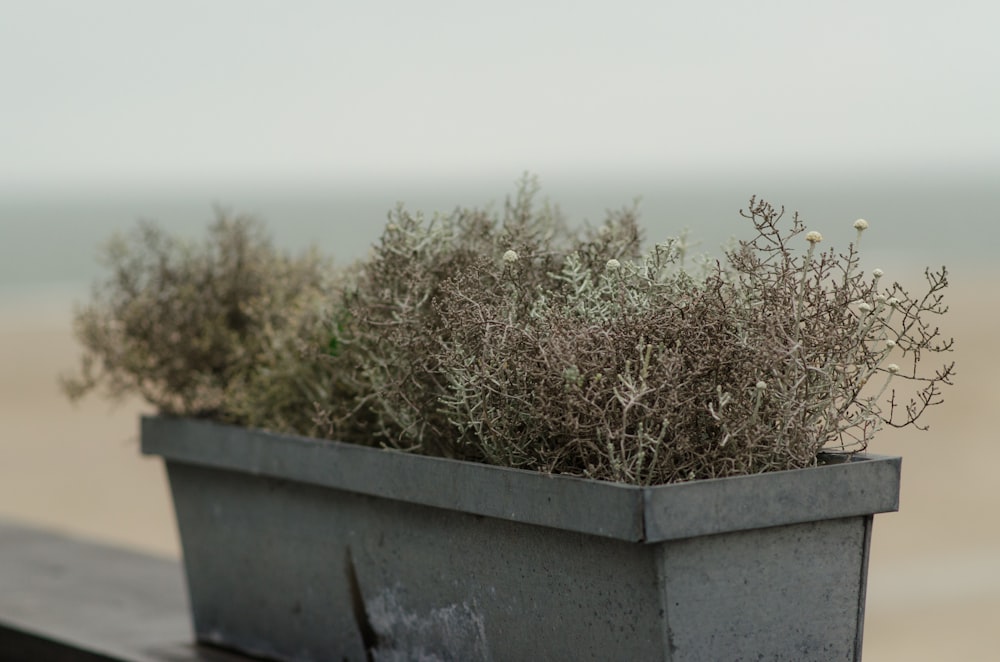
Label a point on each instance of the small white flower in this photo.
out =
(510, 257)
(392, 227)
(861, 225)
(814, 237)
(761, 385)
(880, 298)
(613, 265)
(890, 343)
(893, 368)
(892, 301)
(877, 273)
(864, 307)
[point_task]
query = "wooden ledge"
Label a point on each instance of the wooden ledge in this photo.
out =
(62, 598)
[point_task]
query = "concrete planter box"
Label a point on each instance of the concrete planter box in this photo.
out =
(303, 549)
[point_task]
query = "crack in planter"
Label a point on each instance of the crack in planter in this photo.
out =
(369, 638)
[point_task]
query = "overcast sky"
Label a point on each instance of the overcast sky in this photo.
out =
(126, 90)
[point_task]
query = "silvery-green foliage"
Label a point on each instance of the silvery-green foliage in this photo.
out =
(394, 330)
(645, 372)
(505, 336)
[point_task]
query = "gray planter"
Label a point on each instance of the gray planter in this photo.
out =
(302, 549)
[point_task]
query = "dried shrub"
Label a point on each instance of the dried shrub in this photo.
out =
(506, 337)
(211, 330)
(564, 355)
(394, 337)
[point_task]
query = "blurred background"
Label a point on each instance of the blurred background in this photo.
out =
(319, 117)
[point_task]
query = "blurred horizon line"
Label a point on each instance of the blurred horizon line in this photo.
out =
(365, 181)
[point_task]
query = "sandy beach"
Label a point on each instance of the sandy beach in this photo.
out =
(934, 579)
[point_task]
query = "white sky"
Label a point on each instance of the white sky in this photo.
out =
(130, 90)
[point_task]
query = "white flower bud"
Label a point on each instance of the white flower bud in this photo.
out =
(892, 301)
(877, 273)
(814, 237)
(890, 343)
(761, 385)
(861, 225)
(613, 265)
(864, 307)
(510, 257)
(892, 368)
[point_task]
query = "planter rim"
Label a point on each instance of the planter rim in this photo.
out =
(865, 485)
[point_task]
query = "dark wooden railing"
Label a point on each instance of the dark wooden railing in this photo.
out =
(63, 599)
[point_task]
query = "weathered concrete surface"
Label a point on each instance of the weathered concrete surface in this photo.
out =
(308, 550)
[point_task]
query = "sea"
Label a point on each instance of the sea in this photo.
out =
(50, 236)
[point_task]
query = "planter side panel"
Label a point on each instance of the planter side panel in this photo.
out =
(782, 593)
(327, 574)
(265, 576)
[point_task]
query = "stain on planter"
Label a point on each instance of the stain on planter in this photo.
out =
(391, 632)
(454, 632)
